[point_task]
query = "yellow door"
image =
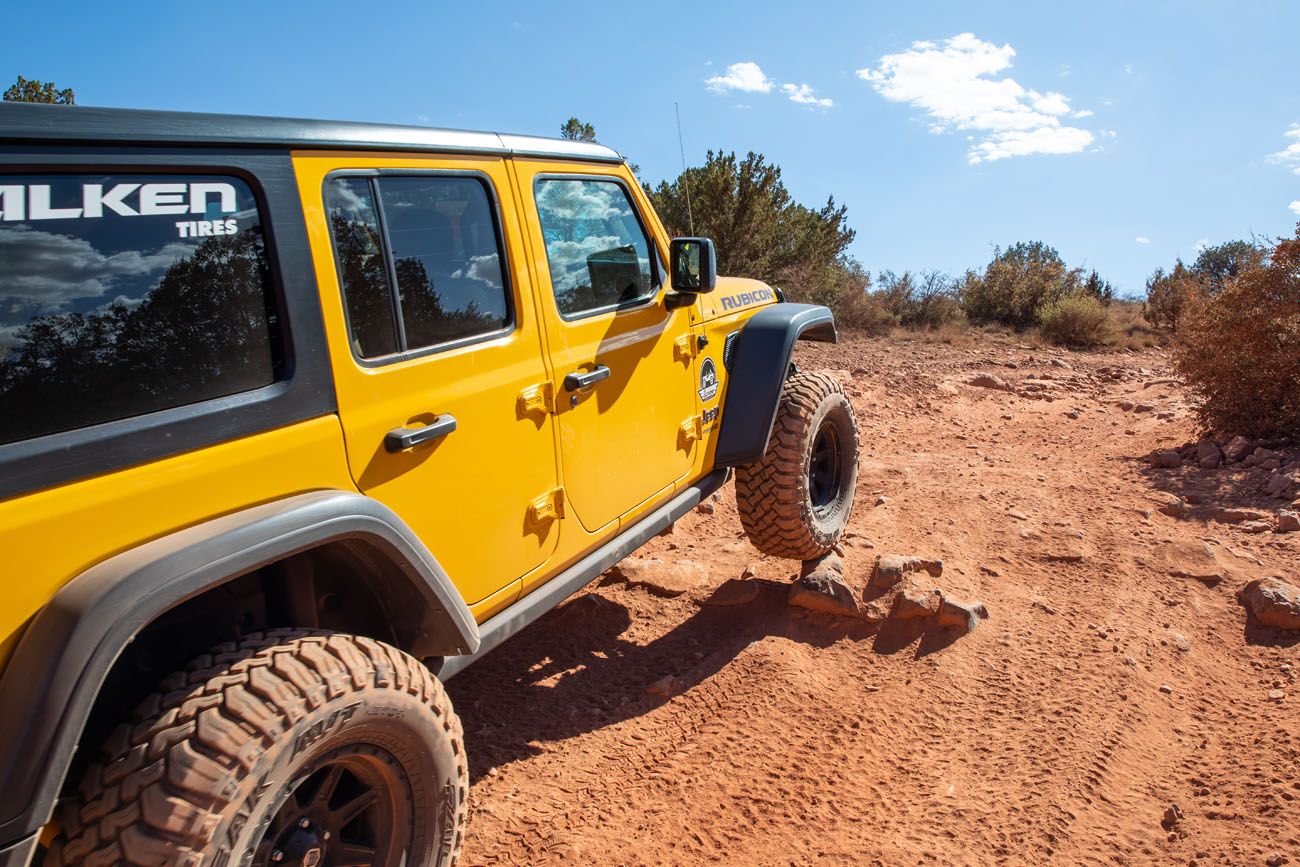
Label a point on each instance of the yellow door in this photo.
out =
(438, 359)
(625, 388)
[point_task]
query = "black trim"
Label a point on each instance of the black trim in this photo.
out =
(19, 852)
(512, 620)
(307, 391)
(513, 304)
(61, 124)
(51, 681)
(759, 364)
(656, 265)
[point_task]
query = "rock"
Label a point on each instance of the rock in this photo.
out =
(1144, 407)
(1166, 458)
(1174, 507)
(1288, 521)
(1057, 544)
(706, 508)
(1208, 454)
(890, 569)
(989, 380)
(1166, 688)
(1236, 516)
(1195, 560)
(1274, 602)
(661, 577)
(825, 592)
(1180, 641)
(876, 610)
(1270, 464)
(734, 591)
(828, 562)
(882, 500)
(1237, 448)
(664, 687)
(915, 600)
(1173, 815)
(963, 615)
(1276, 694)
(1255, 527)
(1281, 484)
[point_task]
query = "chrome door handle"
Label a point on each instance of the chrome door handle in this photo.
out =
(403, 438)
(581, 379)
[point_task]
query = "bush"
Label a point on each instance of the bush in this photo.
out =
(1172, 295)
(927, 300)
(1079, 320)
(1019, 283)
(1240, 350)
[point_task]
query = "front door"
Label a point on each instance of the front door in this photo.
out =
(436, 309)
(625, 384)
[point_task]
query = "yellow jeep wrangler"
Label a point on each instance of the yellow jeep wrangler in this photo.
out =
(300, 418)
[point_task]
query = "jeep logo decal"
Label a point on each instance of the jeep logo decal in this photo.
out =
(708, 379)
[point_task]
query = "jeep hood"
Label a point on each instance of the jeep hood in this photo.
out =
(734, 295)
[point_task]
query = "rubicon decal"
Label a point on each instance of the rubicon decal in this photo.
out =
(708, 380)
(745, 299)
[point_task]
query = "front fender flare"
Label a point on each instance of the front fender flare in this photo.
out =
(54, 675)
(758, 369)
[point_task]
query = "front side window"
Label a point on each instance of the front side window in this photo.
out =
(599, 255)
(419, 261)
(125, 294)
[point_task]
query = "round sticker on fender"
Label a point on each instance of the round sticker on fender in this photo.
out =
(708, 380)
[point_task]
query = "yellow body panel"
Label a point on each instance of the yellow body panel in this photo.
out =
(469, 495)
(50, 536)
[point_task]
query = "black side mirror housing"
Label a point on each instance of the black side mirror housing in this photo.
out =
(693, 265)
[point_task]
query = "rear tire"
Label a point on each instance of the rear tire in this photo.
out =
(796, 501)
(289, 747)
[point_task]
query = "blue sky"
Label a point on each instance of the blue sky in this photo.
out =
(1164, 124)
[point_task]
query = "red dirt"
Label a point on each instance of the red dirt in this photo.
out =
(796, 738)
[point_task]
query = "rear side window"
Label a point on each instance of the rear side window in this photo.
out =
(125, 294)
(419, 261)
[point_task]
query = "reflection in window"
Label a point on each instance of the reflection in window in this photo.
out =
(445, 257)
(598, 253)
(122, 295)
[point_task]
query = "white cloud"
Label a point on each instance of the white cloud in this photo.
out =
(1142, 239)
(1081, 114)
(744, 76)
(1295, 208)
(955, 83)
(803, 94)
(1290, 155)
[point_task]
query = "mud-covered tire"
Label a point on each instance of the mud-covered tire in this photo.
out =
(786, 508)
(226, 761)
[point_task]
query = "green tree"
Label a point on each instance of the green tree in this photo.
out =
(1018, 284)
(1098, 288)
(1216, 265)
(575, 130)
(30, 90)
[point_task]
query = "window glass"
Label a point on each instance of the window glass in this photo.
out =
(127, 294)
(598, 254)
(363, 273)
(446, 258)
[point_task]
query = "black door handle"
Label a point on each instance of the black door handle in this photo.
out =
(403, 438)
(581, 379)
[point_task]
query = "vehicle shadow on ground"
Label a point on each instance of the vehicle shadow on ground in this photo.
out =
(576, 670)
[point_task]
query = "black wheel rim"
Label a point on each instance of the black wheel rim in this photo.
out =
(348, 809)
(824, 468)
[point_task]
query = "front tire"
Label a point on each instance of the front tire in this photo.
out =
(796, 501)
(287, 748)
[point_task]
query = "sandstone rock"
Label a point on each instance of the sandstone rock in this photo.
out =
(1281, 484)
(664, 687)
(1166, 688)
(1173, 815)
(1236, 516)
(962, 615)
(989, 380)
(890, 569)
(825, 592)
(915, 600)
(1195, 560)
(706, 508)
(1276, 694)
(661, 577)
(1255, 527)
(828, 562)
(1166, 458)
(1288, 521)
(877, 609)
(1274, 602)
(1208, 454)
(1237, 448)
(734, 591)
(1057, 544)
(1174, 507)
(1270, 464)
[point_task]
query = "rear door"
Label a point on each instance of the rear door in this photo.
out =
(625, 384)
(438, 359)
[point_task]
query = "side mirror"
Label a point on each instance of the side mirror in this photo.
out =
(693, 264)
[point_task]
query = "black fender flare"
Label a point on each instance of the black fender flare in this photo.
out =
(51, 681)
(759, 362)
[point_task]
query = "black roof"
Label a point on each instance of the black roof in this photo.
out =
(63, 124)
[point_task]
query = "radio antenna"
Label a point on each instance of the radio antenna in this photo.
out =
(686, 181)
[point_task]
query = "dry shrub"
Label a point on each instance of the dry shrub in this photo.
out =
(865, 313)
(1240, 350)
(1077, 320)
(1132, 329)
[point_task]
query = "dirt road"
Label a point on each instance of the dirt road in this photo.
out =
(1102, 690)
